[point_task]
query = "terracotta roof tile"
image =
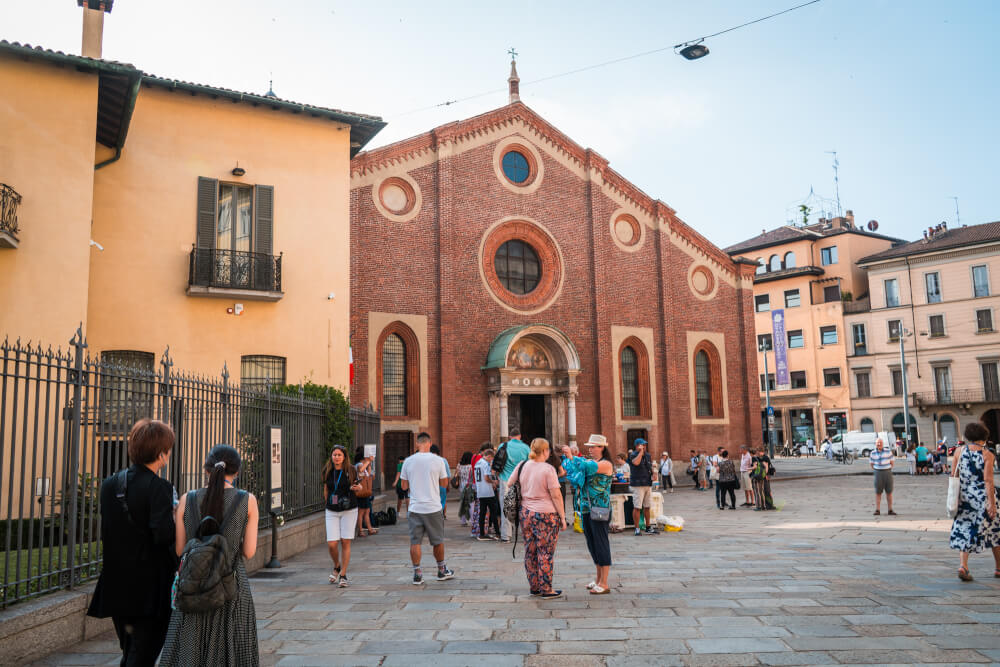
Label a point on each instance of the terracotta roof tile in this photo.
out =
(943, 240)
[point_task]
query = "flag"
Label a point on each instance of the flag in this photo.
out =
(350, 361)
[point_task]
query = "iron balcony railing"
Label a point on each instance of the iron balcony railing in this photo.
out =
(235, 269)
(9, 200)
(956, 396)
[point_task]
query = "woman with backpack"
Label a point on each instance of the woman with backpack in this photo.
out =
(225, 635)
(542, 517)
(364, 469)
(340, 481)
(592, 480)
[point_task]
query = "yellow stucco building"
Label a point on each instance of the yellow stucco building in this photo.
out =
(810, 273)
(163, 213)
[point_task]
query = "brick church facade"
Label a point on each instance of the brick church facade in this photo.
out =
(503, 275)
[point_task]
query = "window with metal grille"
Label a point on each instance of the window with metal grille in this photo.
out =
(864, 382)
(259, 371)
(127, 388)
(630, 383)
(394, 377)
(984, 320)
(937, 325)
(703, 384)
(517, 267)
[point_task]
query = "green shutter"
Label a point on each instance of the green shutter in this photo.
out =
(264, 230)
(208, 200)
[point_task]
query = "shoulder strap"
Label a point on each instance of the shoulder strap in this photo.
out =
(121, 491)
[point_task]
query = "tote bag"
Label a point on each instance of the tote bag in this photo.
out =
(952, 501)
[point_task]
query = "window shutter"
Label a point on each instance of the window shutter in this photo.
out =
(208, 200)
(264, 232)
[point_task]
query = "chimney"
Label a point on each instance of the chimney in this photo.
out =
(849, 214)
(93, 25)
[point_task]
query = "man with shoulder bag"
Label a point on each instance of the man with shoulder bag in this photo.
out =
(137, 536)
(641, 478)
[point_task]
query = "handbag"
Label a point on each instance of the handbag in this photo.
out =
(953, 492)
(714, 474)
(601, 514)
(455, 480)
(366, 487)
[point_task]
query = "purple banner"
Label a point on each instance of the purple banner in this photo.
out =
(780, 344)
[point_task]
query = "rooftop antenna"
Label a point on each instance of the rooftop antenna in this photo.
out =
(958, 218)
(836, 180)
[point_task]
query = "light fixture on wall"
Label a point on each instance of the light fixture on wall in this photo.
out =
(238, 170)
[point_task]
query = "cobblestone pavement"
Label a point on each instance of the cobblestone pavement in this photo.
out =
(821, 581)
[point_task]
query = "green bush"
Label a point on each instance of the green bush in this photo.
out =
(337, 428)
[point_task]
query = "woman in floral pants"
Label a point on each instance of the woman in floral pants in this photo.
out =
(542, 517)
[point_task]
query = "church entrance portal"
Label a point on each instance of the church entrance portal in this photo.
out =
(531, 378)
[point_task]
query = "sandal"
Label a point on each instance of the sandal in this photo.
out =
(876, 512)
(373, 531)
(335, 576)
(591, 585)
(363, 532)
(599, 590)
(963, 574)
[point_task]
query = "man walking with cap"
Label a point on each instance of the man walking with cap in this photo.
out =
(881, 462)
(641, 484)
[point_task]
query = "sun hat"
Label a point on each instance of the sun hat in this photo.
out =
(596, 440)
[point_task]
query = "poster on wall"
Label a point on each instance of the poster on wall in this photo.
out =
(780, 343)
(275, 468)
(370, 451)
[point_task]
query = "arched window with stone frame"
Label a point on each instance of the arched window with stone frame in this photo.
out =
(633, 372)
(398, 373)
(707, 381)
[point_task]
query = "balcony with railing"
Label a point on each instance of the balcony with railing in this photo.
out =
(252, 276)
(956, 397)
(9, 201)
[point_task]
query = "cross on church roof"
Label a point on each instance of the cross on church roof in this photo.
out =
(513, 53)
(514, 80)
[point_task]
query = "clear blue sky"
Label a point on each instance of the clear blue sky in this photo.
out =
(905, 91)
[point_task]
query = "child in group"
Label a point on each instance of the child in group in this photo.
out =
(486, 491)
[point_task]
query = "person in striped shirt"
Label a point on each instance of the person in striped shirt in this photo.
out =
(881, 462)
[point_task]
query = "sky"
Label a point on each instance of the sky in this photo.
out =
(905, 91)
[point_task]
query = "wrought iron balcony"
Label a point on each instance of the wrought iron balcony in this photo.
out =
(234, 273)
(955, 397)
(9, 200)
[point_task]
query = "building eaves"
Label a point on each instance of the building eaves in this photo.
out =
(363, 126)
(783, 234)
(771, 276)
(944, 240)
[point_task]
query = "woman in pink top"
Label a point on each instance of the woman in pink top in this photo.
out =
(542, 517)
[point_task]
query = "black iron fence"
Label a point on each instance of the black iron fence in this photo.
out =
(64, 421)
(234, 269)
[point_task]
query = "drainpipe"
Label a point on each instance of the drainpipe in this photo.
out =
(114, 158)
(913, 317)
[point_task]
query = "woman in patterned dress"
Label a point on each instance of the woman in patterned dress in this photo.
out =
(227, 635)
(976, 525)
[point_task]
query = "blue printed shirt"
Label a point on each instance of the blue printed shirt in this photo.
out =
(880, 460)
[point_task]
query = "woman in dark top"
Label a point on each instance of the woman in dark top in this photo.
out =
(728, 481)
(340, 481)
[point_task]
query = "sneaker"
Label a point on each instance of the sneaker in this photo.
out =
(554, 595)
(637, 531)
(343, 582)
(445, 574)
(535, 594)
(505, 540)
(650, 530)
(418, 578)
(484, 539)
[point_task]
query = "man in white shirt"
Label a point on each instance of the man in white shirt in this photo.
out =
(423, 475)
(666, 471)
(746, 465)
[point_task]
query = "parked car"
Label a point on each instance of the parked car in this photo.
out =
(861, 443)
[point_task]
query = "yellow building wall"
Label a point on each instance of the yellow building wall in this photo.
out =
(145, 216)
(48, 121)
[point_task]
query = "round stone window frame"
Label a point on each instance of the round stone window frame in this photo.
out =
(549, 256)
(536, 167)
(414, 200)
(638, 230)
(706, 274)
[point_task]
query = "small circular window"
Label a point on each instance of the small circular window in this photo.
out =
(516, 167)
(517, 267)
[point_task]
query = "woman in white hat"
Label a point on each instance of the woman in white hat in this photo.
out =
(591, 478)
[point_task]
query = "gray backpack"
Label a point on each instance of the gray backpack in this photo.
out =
(206, 578)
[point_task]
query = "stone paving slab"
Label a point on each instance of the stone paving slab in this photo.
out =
(821, 581)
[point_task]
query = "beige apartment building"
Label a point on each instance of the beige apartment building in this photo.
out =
(155, 212)
(809, 274)
(939, 296)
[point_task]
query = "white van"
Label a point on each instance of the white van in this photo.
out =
(861, 443)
